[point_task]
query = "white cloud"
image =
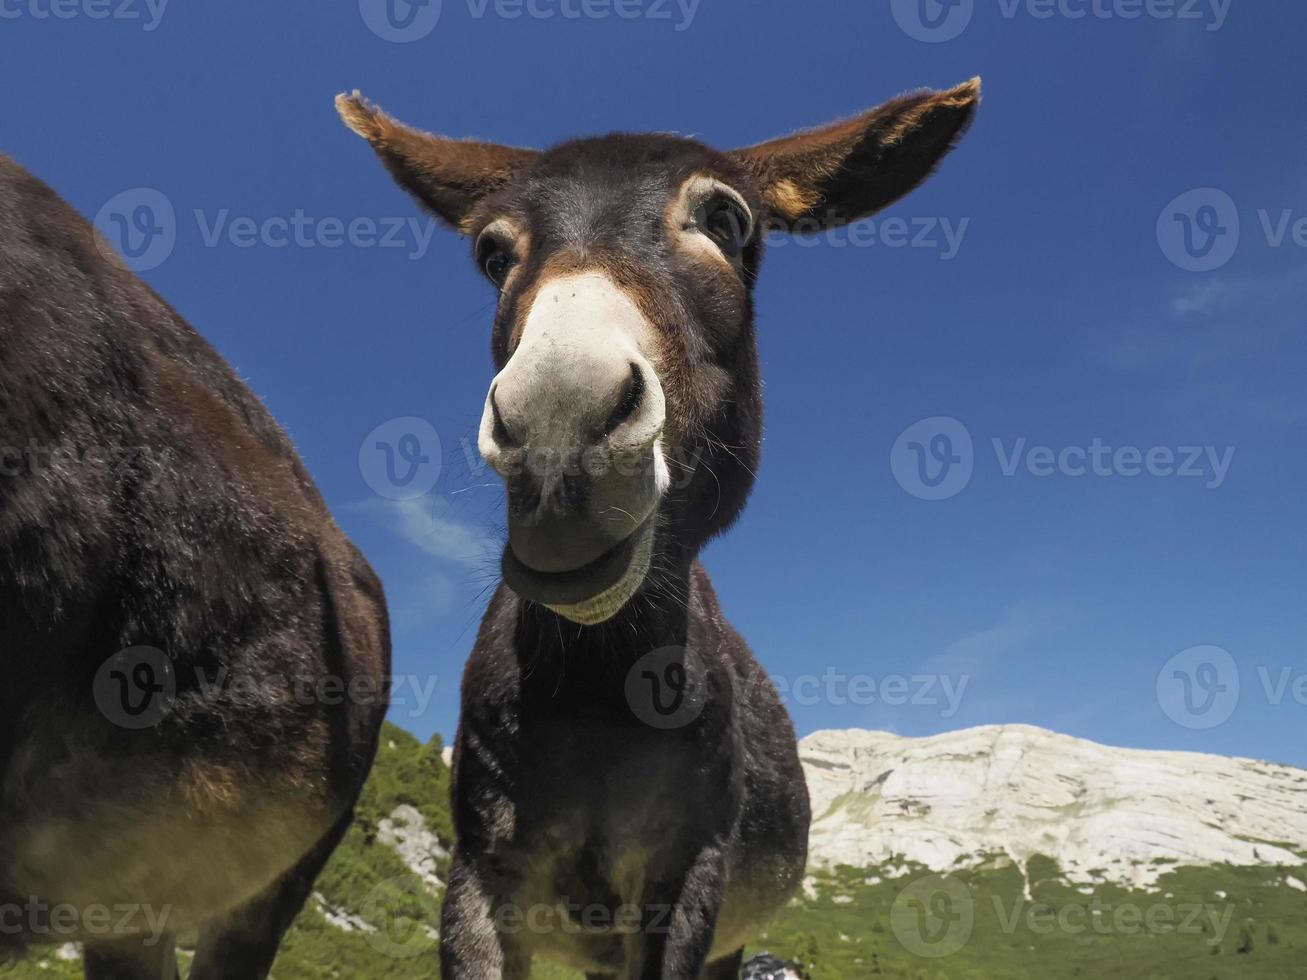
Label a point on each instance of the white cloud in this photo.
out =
(428, 523)
(1016, 627)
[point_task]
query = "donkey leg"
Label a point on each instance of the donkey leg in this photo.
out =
(680, 918)
(243, 944)
(131, 959)
(727, 968)
(471, 946)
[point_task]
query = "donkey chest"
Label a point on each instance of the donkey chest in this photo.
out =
(597, 808)
(614, 780)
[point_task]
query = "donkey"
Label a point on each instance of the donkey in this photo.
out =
(628, 798)
(194, 655)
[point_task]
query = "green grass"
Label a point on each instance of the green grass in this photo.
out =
(1053, 935)
(851, 930)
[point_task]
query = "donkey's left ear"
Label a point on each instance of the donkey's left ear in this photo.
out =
(830, 176)
(448, 176)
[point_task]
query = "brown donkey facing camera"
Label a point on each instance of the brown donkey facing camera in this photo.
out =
(628, 798)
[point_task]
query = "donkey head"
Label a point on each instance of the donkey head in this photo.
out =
(626, 415)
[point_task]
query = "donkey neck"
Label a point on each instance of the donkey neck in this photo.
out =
(559, 660)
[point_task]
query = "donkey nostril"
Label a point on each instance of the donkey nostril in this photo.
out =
(632, 396)
(503, 439)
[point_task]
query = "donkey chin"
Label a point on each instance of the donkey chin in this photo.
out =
(618, 574)
(574, 424)
(548, 556)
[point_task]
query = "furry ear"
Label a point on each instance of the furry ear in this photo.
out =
(826, 177)
(448, 176)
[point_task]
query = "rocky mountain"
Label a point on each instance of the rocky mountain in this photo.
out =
(1102, 814)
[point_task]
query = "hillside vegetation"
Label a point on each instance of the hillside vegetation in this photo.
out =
(375, 912)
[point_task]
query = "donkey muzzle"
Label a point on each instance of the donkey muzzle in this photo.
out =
(573, 423)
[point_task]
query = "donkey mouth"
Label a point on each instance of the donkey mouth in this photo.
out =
(594, 592)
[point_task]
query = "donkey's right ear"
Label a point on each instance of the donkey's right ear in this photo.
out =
(448, 176)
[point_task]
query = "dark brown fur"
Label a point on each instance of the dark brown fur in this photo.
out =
(564, 796)
(203, 537)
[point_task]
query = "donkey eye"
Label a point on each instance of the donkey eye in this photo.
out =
(726, 223)
(495, 259)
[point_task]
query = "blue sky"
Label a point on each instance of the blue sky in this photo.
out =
(1061, 312)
